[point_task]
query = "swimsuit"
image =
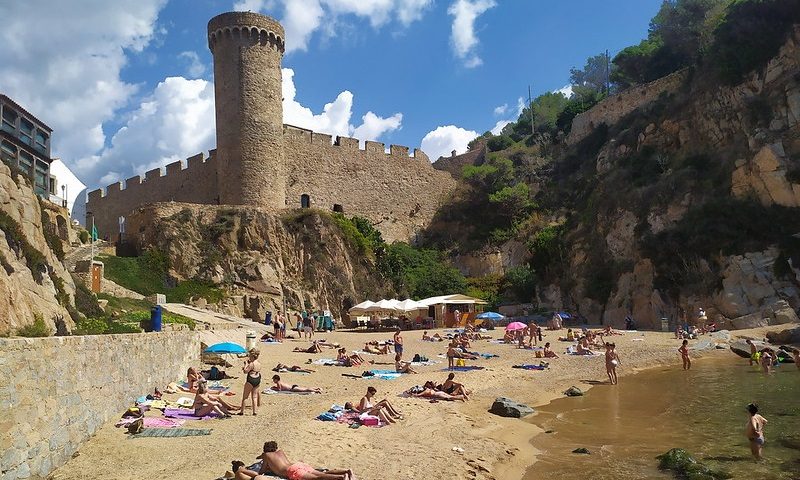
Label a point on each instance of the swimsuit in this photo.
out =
(297, 470)
(254, 381)
(398, 348)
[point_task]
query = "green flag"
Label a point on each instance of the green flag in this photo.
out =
(94, 233)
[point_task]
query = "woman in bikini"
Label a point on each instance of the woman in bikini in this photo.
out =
(383, 409)
(548, 352)
(431, 392)
(281, 368)
(454, 388)
(252, 368)
(314, 348)
(282, 387)
(205, 405)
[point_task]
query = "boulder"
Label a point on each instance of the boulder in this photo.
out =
(741, 348)
(722, 336)
(505, 407)
(754, 320)
(573, 392)
(683, 465)
(582, 450)
(790, 335)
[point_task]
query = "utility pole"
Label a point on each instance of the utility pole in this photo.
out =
(530, 108)
(608, 75)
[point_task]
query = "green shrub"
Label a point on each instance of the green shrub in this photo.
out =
(86, 302)
(16, 239)
(521, 281)
(50, 235)
(420, 273)
(83, 236)
(500, 142)
(37, 329)
(187, 289)
(547, 248)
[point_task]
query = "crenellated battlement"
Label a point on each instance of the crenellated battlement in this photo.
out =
(246, 28)
(306, 136)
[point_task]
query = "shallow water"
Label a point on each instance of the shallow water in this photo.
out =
(703, 411)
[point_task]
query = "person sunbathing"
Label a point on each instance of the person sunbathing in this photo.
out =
(402, 367)
(349, 360)
(326, 344)
(376, 348)
(454, 388)
(275, 461)
(283, 387)
(314, 348)
(240, 472)
(193, 377)
(281, 368)
(583, 347)
(383, 409)
(429, 391)
(204, 404)
(548, 352)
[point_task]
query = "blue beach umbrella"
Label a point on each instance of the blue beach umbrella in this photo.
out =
(226, 347)
(490, 316)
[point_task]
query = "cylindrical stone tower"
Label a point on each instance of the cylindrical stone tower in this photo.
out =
(247, 50)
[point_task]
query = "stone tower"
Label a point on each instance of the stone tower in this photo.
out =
(247, 50)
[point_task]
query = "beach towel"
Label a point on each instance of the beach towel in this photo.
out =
(152, 422)
(384, 374)
(465, 368)
(327, 362)
(525, 366)
(426, 363)
(215, 386)
(186, 414)
(185, 402)
(354, 418)
(489, 355)
(269, 391)
(172, 432)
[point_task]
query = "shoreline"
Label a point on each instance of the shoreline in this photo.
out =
(421, 445)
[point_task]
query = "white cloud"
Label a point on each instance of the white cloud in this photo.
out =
(72, 80)
(175, 122)
(335, 116)
(566, 90)
(464, 13)
(302, 18)
(501, 110)
(443, 140)
(195, 69)
(498, 127)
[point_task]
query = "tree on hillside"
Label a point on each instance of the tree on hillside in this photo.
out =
(593, 75)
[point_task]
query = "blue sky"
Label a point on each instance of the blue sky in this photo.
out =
(126, 85)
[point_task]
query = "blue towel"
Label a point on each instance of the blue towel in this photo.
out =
(327, 417)
(463, 369)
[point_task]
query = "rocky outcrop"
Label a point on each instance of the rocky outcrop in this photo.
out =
(492, 261)
(636, 296)
(267, 261)
(765, 177)
(32, 278)
(506, 407)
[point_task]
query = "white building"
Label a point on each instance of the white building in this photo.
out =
(65, 187)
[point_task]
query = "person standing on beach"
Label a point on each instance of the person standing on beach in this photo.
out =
(612, 361)
(687, 362)
(755, 431)
(753, 352)
(796, 355)
(398, 344)
(766, 360)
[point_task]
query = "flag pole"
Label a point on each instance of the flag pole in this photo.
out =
(93, 230)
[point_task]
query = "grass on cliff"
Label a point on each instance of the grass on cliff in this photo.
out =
(147, 275)
(37, 329)
(122, 315)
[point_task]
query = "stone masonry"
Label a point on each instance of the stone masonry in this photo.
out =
(261, 162)
(56, 392)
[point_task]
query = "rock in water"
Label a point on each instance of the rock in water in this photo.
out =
(573, 392)
(683, 465)
(741, 348)
(790, 335)
(509, 408)
(582, 450)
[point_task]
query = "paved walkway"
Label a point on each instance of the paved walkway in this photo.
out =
(216, 327)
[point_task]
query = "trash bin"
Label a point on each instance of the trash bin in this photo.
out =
(251, 340)
(268, 318)
(155, 318)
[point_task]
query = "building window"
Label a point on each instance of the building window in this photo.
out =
(41, 141)
(9, 119)
(8, 152)
(26, 131)
(40, 178)
(305, 201)
(53, 185)
(338, 208)
(26, 162)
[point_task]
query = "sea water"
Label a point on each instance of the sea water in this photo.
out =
(701, 410)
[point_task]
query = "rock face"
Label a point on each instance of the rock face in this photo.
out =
(741, 348)
(25, 294)
(765, 178)
(492, 261)
(790, 335)
(505, 407)
(267, 260)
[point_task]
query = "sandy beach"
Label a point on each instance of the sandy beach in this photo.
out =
(420, 446)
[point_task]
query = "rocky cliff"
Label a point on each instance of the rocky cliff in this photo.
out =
(33, 280)
(264, 260)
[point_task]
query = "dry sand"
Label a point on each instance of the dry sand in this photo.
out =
(420, 446)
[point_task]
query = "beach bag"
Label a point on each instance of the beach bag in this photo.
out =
(538, 354)
(214, 374)
(460, 363)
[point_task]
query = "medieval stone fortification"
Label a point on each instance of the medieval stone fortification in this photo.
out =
(261, 162)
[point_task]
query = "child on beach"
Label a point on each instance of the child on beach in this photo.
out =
(612, 361)
(755, 430)
(684, 350)
(766, 360)
(796, 355)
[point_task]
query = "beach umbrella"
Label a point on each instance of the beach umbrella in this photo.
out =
(493, 316)
(515, 326)
(227, 347)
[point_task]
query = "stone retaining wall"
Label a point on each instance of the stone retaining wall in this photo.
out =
(56, 392)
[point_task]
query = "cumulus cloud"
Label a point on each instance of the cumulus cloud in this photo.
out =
(498, 127)
(463, 38)
(443, 140)
(175, 122)
(501, 110)
(566, 90)
(335, 116)
(195, 67)
(302, 18)
(72, 80)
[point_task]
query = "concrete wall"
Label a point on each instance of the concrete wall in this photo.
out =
(56, 392)
(612, 109)
(397, 192)
(194, 181)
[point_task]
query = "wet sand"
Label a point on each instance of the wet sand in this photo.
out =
(421, 446)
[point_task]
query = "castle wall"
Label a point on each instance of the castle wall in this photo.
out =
(192, 182)
(56, 392)
(612, 109)
(397, 192)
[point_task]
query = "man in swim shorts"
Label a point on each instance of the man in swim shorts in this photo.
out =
(275, 461)
(398, 343)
